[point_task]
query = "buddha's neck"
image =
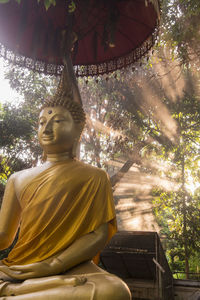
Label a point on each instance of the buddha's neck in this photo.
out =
(55, 157)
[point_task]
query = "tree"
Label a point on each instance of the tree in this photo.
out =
(180, 29)
(180, 208)
(18, 123)
(108, 131)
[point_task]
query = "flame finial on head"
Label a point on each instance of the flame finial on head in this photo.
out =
(67, 95)
(64, 89)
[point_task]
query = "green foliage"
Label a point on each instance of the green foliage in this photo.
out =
(4, 253)
(18, 145)
(72, 7)
(47, 4)
(4, 171)
(18, 123)
(170, 211)
(180, 28)
(178, 211)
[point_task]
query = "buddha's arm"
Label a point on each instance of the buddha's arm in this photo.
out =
(9, 215)
(83, 249)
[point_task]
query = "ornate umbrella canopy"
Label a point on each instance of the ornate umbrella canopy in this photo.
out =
(111, 34)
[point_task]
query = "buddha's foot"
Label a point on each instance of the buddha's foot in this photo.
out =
(3, 285)
(75, 281)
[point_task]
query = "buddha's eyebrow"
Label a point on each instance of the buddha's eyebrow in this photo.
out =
(52, 117)
(42, 117)
(59, 115)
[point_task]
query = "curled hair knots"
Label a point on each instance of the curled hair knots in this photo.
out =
(74, 108)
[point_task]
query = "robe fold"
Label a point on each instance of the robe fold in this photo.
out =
(61, 204)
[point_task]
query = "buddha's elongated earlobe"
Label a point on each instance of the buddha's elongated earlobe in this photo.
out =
(76, 148)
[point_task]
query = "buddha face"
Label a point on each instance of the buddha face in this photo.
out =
(57, 130)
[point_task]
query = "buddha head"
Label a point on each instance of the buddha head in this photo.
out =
(61, 122)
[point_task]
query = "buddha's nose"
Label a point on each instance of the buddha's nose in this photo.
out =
(48, 128)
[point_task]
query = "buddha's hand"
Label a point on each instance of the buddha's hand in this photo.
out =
(38, 269)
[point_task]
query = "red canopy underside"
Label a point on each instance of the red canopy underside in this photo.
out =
(30, 35)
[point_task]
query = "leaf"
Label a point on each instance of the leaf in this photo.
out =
(4, 1)
(47, 4)
(72, 7)
(18, 1)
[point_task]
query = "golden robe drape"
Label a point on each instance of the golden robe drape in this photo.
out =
(63, 203)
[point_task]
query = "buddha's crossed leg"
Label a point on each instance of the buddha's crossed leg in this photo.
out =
(97, 286)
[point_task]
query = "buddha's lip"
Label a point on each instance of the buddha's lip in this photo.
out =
(47, 137)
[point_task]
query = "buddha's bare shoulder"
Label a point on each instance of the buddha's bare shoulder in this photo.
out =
(24, 177)
(28, 173)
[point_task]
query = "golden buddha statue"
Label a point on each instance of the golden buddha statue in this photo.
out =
(65, 211)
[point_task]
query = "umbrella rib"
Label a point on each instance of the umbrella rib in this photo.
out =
(96, 17)
(136, 21)
(90, 30)
(126, 36)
